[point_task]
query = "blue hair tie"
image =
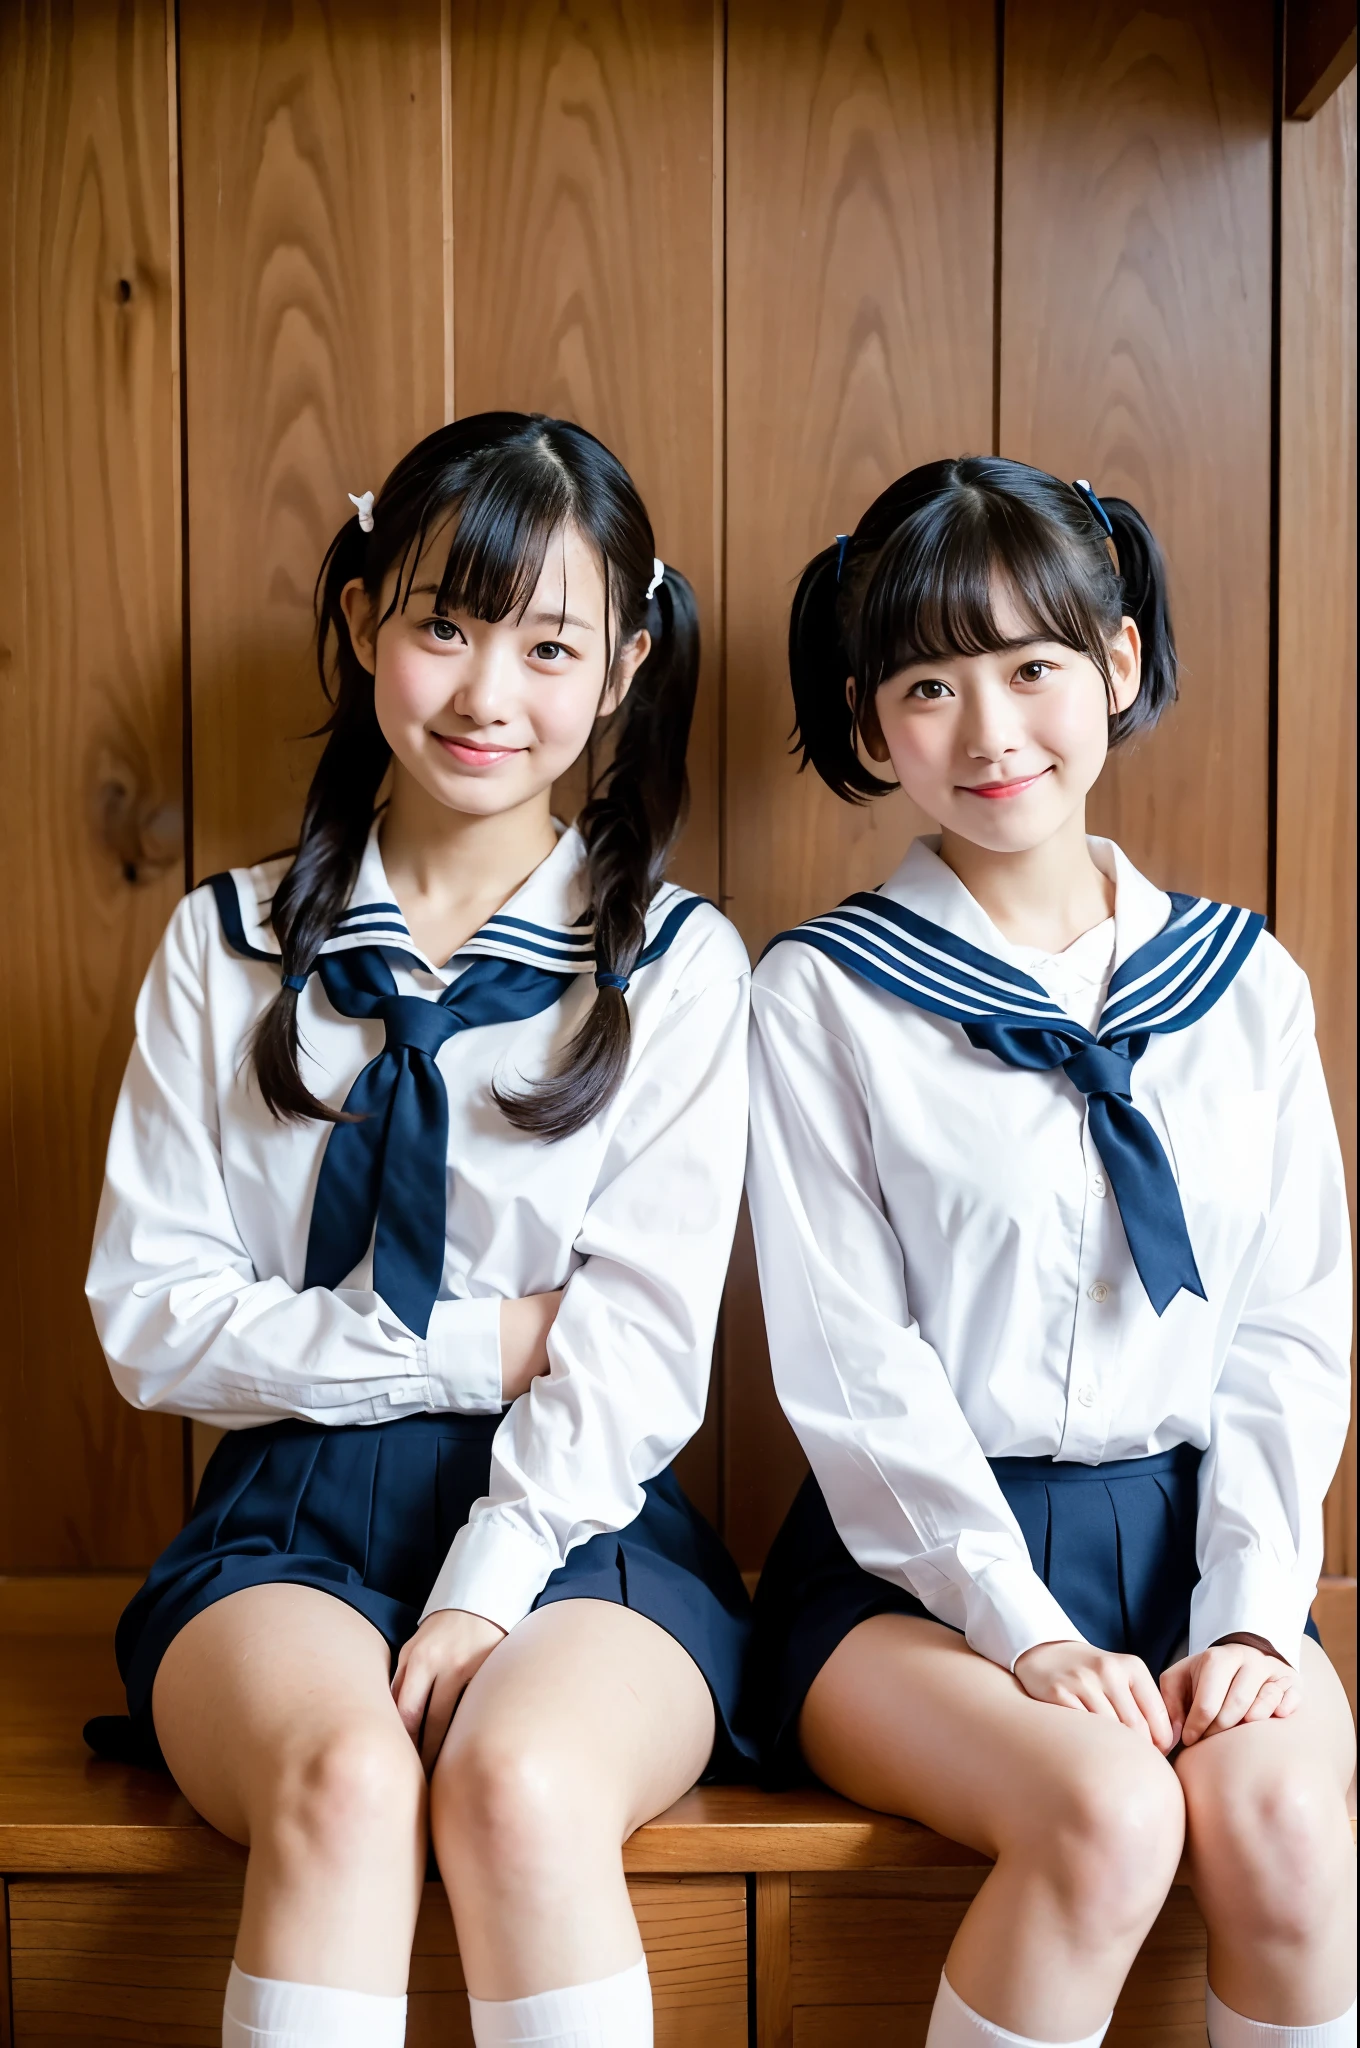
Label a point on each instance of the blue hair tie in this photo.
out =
(1084, 491)
(297, 982)
(603, 979)
(842, 543)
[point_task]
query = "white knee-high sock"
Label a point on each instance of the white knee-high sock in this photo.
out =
(614, 2012)
(1228, 2029)
(955, 2025)
(265, 2012)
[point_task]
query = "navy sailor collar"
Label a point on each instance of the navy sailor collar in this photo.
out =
(541, 925)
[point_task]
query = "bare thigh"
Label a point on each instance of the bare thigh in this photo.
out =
(268, 1672)
(903, 1716)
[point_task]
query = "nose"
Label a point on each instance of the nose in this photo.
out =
(992, 726)
(485, 680)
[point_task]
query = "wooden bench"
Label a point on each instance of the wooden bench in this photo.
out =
(827, 1922)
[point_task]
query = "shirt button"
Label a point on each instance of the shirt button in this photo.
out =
(1099, 1185)
(1086, 1396)
(1098, 1291)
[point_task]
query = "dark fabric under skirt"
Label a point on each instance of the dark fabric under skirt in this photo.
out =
(1115, 1545)
(368, 1514)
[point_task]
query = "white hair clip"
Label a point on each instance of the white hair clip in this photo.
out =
(658, 571)
(364, 507)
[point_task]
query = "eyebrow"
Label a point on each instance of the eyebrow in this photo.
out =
(532, 619)
(1004, 647)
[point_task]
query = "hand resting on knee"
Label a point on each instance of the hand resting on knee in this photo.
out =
(1239, 1679)
(1076, 1674)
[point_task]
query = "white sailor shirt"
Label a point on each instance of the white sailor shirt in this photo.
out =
(946, 1278)
(197, 1277)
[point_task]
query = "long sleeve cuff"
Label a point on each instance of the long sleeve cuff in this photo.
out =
(1248, 1594)
(463, 1355)
(1009, 1609)
(495, 1568)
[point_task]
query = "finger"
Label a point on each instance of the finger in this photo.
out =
(1292, 1701)
(1095, 1698)
(1063, 1696)
(1152, 1708)
(1239, 1696)
(413, 1698)
(439, 1713)
(1216, 1673)
(1177, 1688)
(1266, 1701)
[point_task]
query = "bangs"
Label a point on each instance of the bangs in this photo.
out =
(937, 589)
(501, 523)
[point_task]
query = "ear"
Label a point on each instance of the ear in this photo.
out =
(627, 662)
(870, 731)
(358, 611)
(1126, 666)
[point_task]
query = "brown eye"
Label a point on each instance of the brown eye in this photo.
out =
(930, 692)
(1032, 671)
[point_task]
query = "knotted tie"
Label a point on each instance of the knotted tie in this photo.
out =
(383, 1177)
(1166, 985)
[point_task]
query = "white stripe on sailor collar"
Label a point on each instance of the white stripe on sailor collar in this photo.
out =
(536, 925)
(926, 884)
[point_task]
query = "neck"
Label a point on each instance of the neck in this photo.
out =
(452, 870)
(1046, 896)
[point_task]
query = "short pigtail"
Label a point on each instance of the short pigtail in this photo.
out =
(1143, 588)
(824, 728)
(629, 828)
(335, 827)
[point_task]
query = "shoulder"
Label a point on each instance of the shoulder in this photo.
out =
(700, 947)
(1274, 989)
(793, 973)
(236, 904)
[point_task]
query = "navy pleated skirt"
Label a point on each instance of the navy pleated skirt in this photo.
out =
(368, 1514)
(1114, 1544)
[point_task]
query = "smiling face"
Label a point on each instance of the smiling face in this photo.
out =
(1001, 748)
(485, 715)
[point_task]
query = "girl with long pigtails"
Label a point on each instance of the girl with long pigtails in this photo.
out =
(1053, 1245)
(421, 1186)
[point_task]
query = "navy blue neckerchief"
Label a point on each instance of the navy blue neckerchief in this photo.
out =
(383, 1175)
(1167, 985)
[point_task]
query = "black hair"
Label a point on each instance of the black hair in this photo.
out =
(917, 580)
(503, 484)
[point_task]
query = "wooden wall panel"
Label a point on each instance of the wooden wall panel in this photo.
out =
(586, 181)
(315, 296)
(90, 825)
(587, 168)
(98, 1962)
(1315, 770)
(859, 325)
(1135, 349)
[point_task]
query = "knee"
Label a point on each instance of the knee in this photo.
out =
(1113, 1842)
(512, 1806)
(354, 1791)
(1270, 1850)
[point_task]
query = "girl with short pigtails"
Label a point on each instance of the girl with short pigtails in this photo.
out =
(421, 1187)
(1052, 1236)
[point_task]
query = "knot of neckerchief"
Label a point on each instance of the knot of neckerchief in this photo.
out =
(1166, 985)
(383, 1177)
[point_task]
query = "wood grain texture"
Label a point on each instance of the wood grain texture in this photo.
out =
(1135, 350)
(586, 178)
(859, 325)
(774, 1962)
(314, 225)
(1315, 847)
(6, 2001)
(99, 1962)
(90, 679)
(867, 1954)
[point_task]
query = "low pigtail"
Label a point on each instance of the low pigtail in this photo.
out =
(335, 828)
(824, 729)
(629, 827)
(1142, 578)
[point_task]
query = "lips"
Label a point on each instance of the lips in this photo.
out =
(469, 755)
(997, 791)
